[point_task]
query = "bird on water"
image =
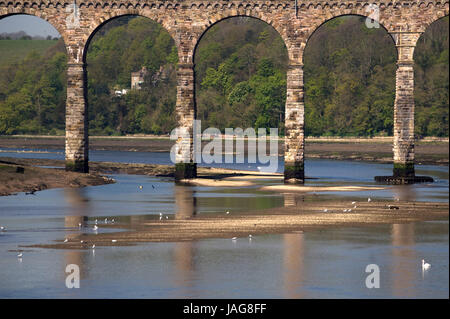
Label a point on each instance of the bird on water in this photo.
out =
(425, 265)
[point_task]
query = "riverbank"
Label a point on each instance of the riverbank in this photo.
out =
(20, 177)
(427, 151)
(312, 215)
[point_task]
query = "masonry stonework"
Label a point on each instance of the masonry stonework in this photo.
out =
(187, 20)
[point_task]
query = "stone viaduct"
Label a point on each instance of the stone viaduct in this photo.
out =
(187, 20)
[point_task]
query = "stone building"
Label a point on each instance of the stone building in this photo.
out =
(137, 78)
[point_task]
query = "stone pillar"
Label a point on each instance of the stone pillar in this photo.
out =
(294, 126)
(404, 106)
(185, 166)
(76, 119)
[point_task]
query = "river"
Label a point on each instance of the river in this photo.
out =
(328, 263)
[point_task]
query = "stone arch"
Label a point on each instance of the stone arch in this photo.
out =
(308, 76)
(100, 22)
(36, 13)
(322, 22)
(221, 17)
(437, 15)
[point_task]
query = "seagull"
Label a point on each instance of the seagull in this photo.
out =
(250, 236)
(167, 217)
(82, 241)
(141, 187)
(349, 210)
(354, 207)
(2, 228)
(79, 225)
(425, 266)
(114, 241)
(369, 200)
(353, 203)
(20, 255)
(95, 227)
(66, 240)
(325, 210)
(96, 222)
(113, 221)
(106, 220)
(227, 213)
(93, 246)
(234, 238)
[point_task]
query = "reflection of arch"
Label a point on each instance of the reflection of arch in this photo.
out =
(100, 22)
(323, 22)
(218, 18)
(39, 14)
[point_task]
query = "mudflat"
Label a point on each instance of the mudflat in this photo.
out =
(374, 150)
(308, 216)
(16, 178)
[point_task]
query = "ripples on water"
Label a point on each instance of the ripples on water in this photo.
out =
(318, 264)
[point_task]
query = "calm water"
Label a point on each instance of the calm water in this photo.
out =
(316, 264)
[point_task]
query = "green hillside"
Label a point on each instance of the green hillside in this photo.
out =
(240, 66)
(16, 50)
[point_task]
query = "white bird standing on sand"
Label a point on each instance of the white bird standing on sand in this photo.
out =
(325, 210)
(227, 213)
(369, 200)
(114, 241)
(425, 266)
(353, 203)
(66, 240)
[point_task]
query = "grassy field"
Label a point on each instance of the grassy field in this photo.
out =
(14, 50)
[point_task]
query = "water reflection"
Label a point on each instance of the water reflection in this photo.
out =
(185, 201)
(291, 199)
(404, 260)
(184, 266)
(404, 192)
(79, 206)
(293, 266)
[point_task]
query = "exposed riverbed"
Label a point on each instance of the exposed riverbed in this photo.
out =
(304, 257)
